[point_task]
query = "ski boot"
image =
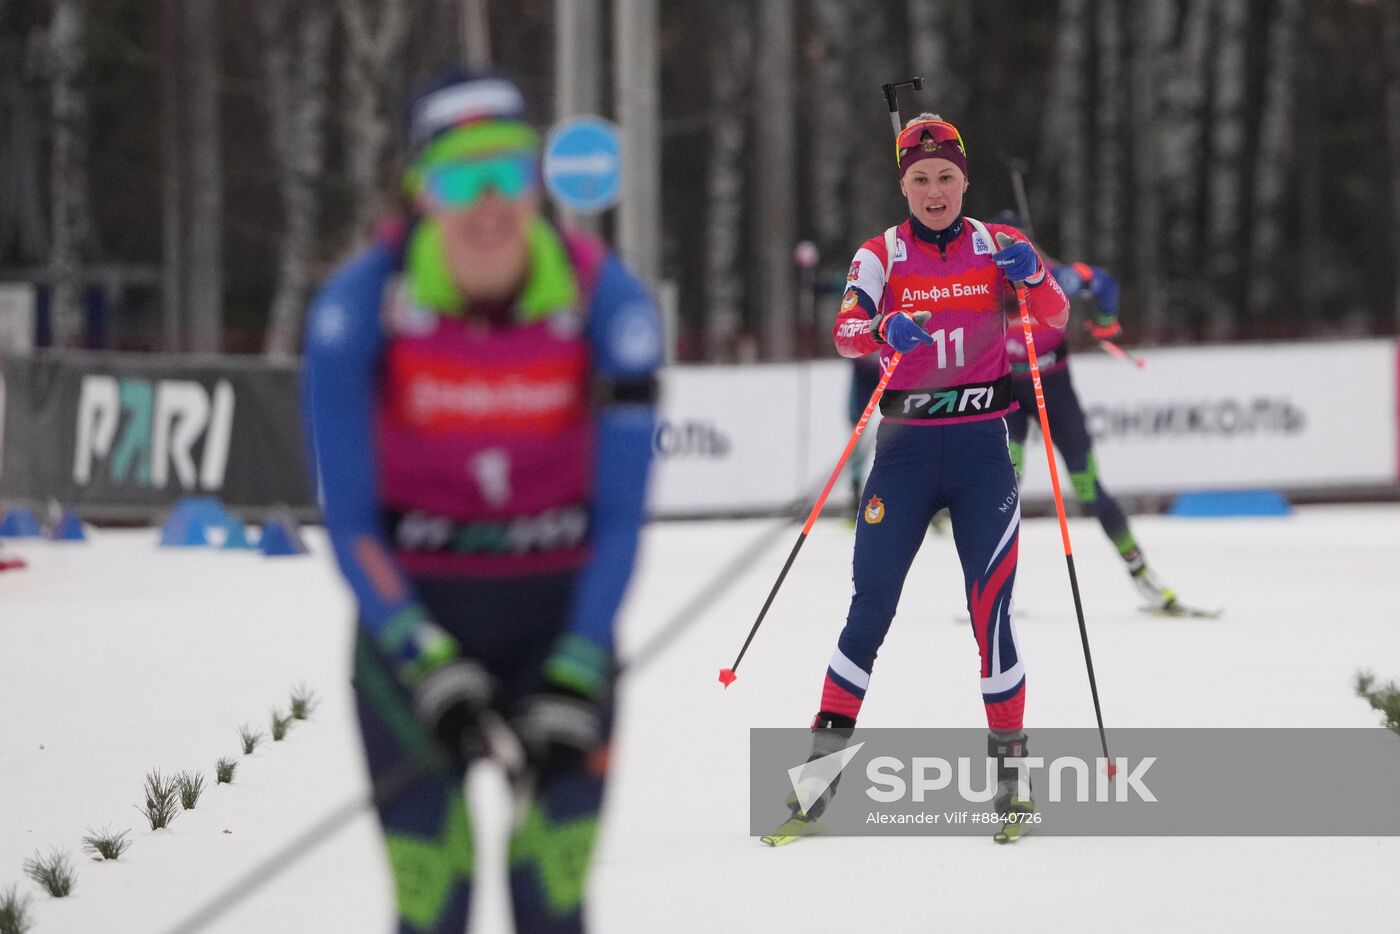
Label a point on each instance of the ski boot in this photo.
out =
(1161, 599)
(831, 733)
(1013, 804)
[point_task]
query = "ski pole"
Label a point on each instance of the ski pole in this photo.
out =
(1018, 187)
(727, 675)
(1017, 167)
(705, 597)
(1113, 350)
(1003, 241)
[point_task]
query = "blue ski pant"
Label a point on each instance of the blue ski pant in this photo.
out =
(918, 470)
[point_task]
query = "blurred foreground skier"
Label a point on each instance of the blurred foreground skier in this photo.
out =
(480, 390)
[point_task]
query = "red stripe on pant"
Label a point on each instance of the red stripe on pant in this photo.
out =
(1008, 715)
(981, 602)
(836, 699)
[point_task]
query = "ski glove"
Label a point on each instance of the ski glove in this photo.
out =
(562, 723)
(902, 331)
(450, 702)
(1018, 262)
(559, 730)
(1104, 327)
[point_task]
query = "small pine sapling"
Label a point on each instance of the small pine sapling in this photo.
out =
(14, 912)
(1383, 698)
(304, 701)
(162, 800)
(53, 873)
(191, 787)
(250, 737)
(106, 844)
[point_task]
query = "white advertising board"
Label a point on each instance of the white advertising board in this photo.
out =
(1196, 418)
(748, 438)
(754, 438)
(17, 303)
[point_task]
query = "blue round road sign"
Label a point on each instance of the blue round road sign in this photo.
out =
(583, 164)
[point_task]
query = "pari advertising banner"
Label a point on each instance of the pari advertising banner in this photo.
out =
(131, 431)
(1313, 416)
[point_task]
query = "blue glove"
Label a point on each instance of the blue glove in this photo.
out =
(904, 332)
(1018, 261)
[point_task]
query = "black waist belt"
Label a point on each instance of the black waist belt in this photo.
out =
(562, 528)
(937, 403)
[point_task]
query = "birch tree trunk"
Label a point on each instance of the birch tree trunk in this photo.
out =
(68, 178)
(172, 177)
(731, 62)
(776, 172)
(1150, 40)
(873, 187)
(1390, 39)
(1226, 182)
(578, 76)
(1274, 160)
(205, 286)
(1066, 127)
(296, 38)
(1108, 127)
(934, 32)
(637, 105)
(23, 231)
(373, 54)
(1183, 138)
(831, 124)
(476, 34)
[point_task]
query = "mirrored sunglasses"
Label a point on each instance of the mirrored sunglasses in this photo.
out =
(462, 184)
(927, 135)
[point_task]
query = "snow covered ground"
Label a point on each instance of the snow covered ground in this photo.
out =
(117, 657)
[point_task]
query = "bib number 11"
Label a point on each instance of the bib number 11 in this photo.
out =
(941, 340)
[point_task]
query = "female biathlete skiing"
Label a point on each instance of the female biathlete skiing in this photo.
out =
(931, 289)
